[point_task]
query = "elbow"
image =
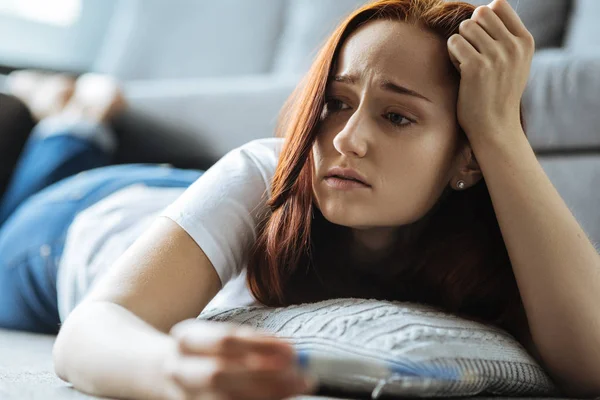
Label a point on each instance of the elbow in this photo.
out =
(59, 368)
(64, 353)
(58, 357)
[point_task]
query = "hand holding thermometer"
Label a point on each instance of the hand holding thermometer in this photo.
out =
(413, 375)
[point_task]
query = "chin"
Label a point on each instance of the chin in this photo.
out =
(349, 216)
(346, 208)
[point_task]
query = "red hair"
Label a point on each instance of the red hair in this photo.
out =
(459, 262)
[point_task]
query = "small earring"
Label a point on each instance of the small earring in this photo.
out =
(460, 184)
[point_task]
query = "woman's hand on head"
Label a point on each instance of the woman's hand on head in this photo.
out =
(493, 52)
(225, 361)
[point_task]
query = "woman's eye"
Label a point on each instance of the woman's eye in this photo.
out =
(396, 119)
(334, 105)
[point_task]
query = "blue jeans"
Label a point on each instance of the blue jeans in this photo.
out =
(47, 190)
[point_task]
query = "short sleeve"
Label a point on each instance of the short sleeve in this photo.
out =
(222, 208)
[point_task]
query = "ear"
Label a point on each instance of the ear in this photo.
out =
(467, 168)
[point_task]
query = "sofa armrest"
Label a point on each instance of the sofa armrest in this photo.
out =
(190, 122)
(577, 179)
(583, 31)
(561, 100)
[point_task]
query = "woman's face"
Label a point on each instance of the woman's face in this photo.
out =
(403, 144)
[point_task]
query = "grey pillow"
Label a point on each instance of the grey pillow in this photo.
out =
(491, 360)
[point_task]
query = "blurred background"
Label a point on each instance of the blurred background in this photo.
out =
(202, 77)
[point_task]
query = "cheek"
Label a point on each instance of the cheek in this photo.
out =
(328, 129)
(322, 149)
(415, 175)
(317, 156)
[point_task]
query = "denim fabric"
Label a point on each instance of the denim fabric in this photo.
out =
(49, 188)
(53, 151)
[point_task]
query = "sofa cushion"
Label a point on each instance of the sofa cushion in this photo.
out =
(583, 29)
(17, 123)
(308, 23)
(192, 123)
(577, 179)
(561, 100)
(157, 39)
(414, 336)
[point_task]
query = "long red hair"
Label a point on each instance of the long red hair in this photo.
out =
(459, 262)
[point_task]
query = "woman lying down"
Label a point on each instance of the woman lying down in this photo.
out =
(400, 170)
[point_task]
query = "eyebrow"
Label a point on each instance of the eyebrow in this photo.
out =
(385, 84)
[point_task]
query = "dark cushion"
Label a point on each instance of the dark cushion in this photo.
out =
(16, 124)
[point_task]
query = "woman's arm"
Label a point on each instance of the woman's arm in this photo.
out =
(114, 341)
(106, 350)
(168, 275)
(556, 266)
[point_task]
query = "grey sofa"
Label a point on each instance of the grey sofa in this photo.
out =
(203, 88)
(204, 77)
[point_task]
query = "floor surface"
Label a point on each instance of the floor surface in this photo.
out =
(26, 371)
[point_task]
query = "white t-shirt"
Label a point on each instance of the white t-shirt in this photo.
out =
(220, 211)
(101, 233)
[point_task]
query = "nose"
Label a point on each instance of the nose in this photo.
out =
(351, 141)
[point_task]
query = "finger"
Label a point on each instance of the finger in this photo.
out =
(202, 395)
(454, 60)
(491, 23)
(259, 385)
(235, 345)
(477, 36)
(461, 49)
(179, 392)
(509, 17)
(228, 340)
(195, 374)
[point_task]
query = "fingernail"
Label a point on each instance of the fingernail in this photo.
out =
(309, 383)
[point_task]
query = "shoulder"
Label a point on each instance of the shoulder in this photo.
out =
(266, 149)
(263, 154)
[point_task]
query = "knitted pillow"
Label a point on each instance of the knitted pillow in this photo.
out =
(487, 359)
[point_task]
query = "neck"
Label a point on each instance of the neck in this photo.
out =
(369, 247)
(374, 244)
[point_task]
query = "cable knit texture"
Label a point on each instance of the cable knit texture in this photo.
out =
(489, 359)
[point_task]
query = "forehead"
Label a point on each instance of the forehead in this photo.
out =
(399, 51)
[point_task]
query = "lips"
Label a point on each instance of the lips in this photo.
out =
(347, 174)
